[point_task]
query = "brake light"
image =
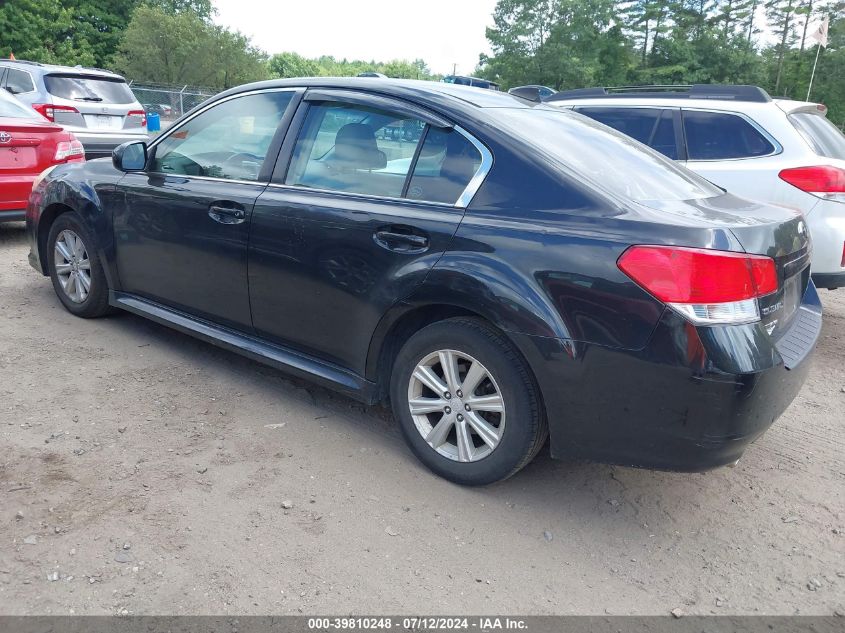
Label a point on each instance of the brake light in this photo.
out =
(842, 264)
(68, 150)
(705, 286)
(48, 110)
(138, 114)
(818, 179)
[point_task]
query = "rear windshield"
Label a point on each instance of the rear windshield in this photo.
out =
(11, 107)
(611, 160)
(89, 88)
(822, 135)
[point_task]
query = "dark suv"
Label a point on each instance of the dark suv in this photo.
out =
(513, 271)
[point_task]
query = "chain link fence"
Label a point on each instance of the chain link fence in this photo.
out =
(169, 102)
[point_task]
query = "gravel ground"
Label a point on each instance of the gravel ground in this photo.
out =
(145, 472)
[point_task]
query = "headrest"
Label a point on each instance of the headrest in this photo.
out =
(355, 147)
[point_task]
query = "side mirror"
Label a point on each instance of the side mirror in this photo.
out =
(131, 156)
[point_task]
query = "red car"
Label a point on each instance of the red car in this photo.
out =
(29, 144)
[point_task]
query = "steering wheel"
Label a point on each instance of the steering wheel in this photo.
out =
(236, 161)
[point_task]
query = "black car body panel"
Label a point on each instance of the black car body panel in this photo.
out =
(300, 282)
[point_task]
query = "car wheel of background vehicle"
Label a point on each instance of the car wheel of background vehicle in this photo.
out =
(75, 268)
(466, 402)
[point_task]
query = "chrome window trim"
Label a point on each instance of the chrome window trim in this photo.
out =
(367, 196)
(778, 147)
(257, 183)
(463, 200)
(480, 175)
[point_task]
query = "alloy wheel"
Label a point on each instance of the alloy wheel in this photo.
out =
(73, 268)
(456, 405)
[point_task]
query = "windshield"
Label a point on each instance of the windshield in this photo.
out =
(11, 107)
(611, 160)
(822, 135)
(89, 88)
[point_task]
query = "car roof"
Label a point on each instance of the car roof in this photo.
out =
(424, 91)
(47, 69)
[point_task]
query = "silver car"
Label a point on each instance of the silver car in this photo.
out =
(96, 105)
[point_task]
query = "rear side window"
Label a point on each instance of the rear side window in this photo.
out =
(89, 88)
(446, 163)
(19, 81)
(358, 149)
(654, 127)
(822, 135)
(354, 149)
(721, 136)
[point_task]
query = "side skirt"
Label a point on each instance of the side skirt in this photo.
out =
(286, 360)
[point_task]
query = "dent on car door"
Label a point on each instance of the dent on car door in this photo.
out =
(182, 236)
(354, 223)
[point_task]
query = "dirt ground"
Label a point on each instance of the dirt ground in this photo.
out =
(145, 472)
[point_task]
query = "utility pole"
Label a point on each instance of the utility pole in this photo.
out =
(454, 68)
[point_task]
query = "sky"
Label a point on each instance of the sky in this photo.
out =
(441, 32)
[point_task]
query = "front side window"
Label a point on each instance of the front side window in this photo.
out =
(654, 127)
(722, 136)
(822, 135)
(19, 81)
(229, 140)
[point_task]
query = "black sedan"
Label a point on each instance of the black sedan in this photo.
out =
(510, 273)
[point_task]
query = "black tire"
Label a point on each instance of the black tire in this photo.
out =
(96, 303)
(525, 429)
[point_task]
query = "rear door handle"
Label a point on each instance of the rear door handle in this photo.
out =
(226, 215)
(400, 242)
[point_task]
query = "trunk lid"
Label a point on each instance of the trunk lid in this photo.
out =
(27, 146)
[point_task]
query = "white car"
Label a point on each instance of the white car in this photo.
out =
(772, 150)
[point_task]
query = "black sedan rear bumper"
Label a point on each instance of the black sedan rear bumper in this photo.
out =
(693, 399)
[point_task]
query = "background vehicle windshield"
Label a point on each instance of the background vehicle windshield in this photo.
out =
(89, 88)
(10, 107)
(610, 160)
(822, 135)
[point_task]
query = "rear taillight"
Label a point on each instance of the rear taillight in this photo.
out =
(139, 115)
(69, 150)
(842, 264)
(821, 179)
(706, 286)
(48, 110)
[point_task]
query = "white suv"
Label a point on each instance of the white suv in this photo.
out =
(772, 150)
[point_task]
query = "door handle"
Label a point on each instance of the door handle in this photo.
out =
(226, 215)
(401, 242)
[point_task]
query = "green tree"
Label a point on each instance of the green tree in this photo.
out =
(69, 32)
(185, 48)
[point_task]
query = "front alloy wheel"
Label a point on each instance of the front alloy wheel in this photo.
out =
(73, 267)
